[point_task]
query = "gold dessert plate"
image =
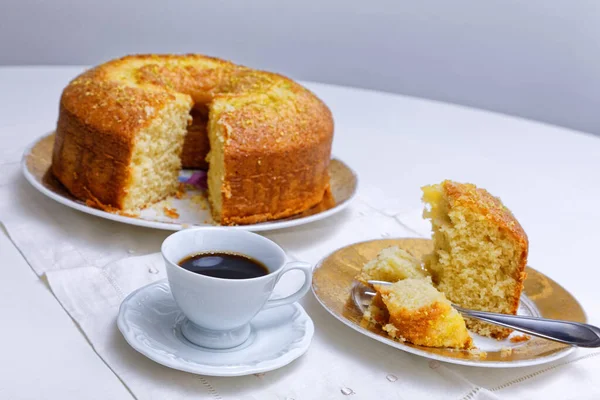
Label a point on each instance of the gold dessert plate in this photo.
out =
(190, 209)
(335, 288)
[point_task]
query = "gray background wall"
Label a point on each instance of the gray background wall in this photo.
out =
(536, 59)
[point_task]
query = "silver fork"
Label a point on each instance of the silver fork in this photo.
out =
(573, 333)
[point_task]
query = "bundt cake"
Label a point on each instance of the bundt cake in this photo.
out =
(126, 127)
(412, 310)
(480, 251)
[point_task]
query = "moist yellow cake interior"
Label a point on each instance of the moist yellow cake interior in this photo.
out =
(474, 263)
(392, 264)
(420, 314)
(216, 172)
(156, 158)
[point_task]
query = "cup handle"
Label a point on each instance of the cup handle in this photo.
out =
(302, 266)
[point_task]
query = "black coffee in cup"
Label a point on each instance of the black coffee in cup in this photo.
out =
(224, 265)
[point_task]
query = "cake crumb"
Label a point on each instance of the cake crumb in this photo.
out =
(180, 194)
(200, 200)
(520, 338)
(391, 330)
(505, 351)
(130, 214)
(478, 353)
(171, 212)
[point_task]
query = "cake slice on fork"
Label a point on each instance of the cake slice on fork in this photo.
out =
(412, 310)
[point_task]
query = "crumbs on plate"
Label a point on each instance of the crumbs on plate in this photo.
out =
(180, 194)
(505, 352)
(201, 200)
(171, 212)
(478, 353)
(520, 338)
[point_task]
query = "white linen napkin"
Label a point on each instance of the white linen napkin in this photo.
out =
(91, 265)
(339, 360)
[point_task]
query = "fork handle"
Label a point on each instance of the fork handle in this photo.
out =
(573, 333)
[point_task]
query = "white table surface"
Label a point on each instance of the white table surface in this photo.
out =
(548, 176)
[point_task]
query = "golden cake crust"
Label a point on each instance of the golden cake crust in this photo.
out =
(414, 327)
(278, 134)
(435, 324)
(479, 199)
(491, 208)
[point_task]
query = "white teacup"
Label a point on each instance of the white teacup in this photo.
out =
(219, 310)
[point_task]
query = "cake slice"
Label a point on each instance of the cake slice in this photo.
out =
(418, 313)
(480, 251)
(391, 265)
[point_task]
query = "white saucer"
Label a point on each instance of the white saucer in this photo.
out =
(151, 323)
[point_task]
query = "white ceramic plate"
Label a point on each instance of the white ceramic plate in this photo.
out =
(150, 321)
(38, 157)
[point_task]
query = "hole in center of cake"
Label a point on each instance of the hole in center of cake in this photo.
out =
(196, 145)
